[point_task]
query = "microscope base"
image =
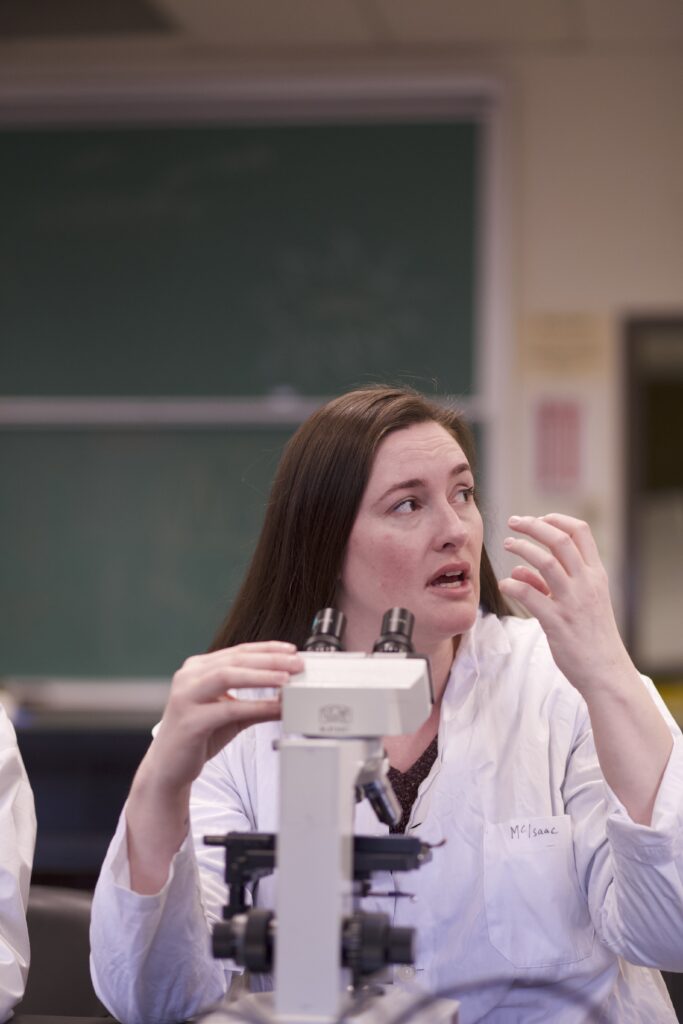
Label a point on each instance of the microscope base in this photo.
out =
(258, 1008)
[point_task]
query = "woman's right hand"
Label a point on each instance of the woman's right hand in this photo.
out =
(202, 715)
(204, 711)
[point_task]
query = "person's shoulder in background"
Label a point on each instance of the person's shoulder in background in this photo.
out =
(17, 843)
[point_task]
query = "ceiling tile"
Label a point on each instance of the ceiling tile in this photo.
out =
(641, 21)
(235, 24)
(481, 22)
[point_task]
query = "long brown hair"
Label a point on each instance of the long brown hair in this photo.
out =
(312, 507)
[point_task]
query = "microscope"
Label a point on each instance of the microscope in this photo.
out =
(326, 953)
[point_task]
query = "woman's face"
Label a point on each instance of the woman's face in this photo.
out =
(416, 541)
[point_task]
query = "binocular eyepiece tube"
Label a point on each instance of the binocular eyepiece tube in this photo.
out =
(395, 634)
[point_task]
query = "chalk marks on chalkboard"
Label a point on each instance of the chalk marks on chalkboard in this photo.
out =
(100, 189)
(348, 304)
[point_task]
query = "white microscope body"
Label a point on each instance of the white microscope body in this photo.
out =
(334, 715)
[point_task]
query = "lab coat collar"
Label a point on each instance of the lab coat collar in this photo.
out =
(479, 648)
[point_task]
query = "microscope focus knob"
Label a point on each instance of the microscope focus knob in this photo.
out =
(247, 939)
(223, 941)
(370, 942)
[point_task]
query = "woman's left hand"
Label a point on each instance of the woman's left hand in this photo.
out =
(567, 590)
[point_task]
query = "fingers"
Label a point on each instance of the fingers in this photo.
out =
(548, 566)
(524, 574)
(241, 713)
(204, 711)
(214, 685)
(568, 547)
(563, 534)
(560, 546)
(261, 647)
(581, 534)
(210, 676)
(530, 596)
(565, 575)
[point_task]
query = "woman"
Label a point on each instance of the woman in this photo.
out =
(555, 771)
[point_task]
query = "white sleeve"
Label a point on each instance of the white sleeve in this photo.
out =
(17, 842)
(632, 874)
(151, 959)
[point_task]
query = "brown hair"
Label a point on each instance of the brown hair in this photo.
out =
(312, 507)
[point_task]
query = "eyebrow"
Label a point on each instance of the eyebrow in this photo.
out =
(462, 467)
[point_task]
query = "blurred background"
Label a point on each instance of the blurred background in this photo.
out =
(216, 215)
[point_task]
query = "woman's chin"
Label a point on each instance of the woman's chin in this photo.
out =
(429, 635)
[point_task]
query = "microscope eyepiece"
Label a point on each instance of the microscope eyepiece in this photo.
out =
(327, 631)
(397, 631)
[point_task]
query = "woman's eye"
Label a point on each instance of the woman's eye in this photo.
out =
(407, 505)
(465, 496)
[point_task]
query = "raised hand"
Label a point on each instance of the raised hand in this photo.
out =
(567, 590)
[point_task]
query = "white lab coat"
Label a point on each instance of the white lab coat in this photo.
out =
(546, 903)
(17, 842)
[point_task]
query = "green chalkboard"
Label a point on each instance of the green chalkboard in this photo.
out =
(224, 260)
(228, 261)
(120, 550)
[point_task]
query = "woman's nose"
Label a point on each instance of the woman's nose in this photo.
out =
(452, 530)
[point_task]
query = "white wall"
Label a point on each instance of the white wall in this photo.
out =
(597, 232)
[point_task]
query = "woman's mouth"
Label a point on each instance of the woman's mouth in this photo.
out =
(450, 580)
